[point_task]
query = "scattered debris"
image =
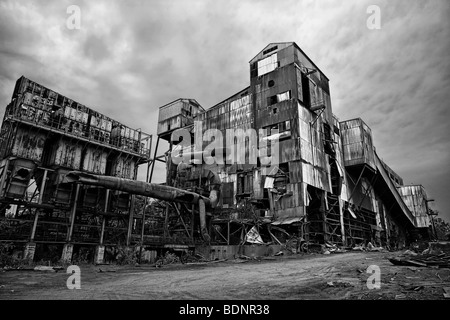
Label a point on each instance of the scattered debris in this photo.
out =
(393, 278)
(439, 247)
(341, 284)
(169, 258)
(429, 260)
(44, 268)
(279, 253)
(400, 296)
(415, 288)
(447, 292)
(327, 252)
(339, 250)
(100, 270)
(409, 253)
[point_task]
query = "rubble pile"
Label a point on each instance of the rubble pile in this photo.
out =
(425, 259)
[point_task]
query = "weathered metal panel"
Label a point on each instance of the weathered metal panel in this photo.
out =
(295, 171)
(67, 154)
(95, 160)
(415, 198)
(290, 212)
(123, 168)
(289, 150)
(28, 144)
(353, 152)
(169, 111)
(357, 143)
(352, 135)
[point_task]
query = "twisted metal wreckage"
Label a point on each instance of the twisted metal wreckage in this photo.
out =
(68, 174)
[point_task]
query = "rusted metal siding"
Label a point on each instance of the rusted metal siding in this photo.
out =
(170, 110)
(41, 107)
(345, 193)
(314, 168)
(123, 168)
(28, 144)
(177, 114)
(357, 143)
(415, 198)
(393, 175)
(95, 160)
(66, 153)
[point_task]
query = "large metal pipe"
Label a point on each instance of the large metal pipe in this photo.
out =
(152, 190)
(203, 226)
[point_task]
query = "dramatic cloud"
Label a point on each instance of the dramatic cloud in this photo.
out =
(130, 57)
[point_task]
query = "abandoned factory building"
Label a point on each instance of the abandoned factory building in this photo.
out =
(69, 174)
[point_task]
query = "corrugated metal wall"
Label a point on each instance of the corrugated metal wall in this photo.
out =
(28, 144)
(415, 198)
(357, 143)
(42, 107)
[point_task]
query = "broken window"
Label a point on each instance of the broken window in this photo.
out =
(271, 83)
(270, 50)
(284, 96)
(281, 177)
(272, 100)
(279, 98)
(328, 141)
(268, 64)
(282, 128)
(227, 194)
(244, 183)
(275, 110)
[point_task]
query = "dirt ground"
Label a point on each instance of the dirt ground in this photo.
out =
(311, 276)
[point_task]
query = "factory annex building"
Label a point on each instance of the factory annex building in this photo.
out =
(328, 184)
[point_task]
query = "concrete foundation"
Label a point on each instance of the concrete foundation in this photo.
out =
(67, 253)
(28, 252)
(99, 256)
(231, 252)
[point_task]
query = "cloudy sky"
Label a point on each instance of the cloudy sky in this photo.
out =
(130, 57)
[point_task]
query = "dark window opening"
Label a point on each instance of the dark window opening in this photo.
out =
(60, 100)
(275, 110)
(337, 131)
(282, 177)
(279, 98)
(271, 83)
(272, 100)
(270, 50)
(305, 88)
(328, 142)
(254, 70)
(244, 184)
(283, 128)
